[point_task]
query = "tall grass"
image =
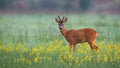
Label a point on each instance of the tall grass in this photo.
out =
(56, 55)
(27, 41)
(39, 29)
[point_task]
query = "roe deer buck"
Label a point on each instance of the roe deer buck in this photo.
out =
(77, 36)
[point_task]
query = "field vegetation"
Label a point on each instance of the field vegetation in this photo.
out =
(34, 40)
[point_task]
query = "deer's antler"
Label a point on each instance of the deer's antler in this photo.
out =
(63, 18)
(59, 18)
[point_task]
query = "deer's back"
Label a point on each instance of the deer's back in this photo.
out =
(81, 35)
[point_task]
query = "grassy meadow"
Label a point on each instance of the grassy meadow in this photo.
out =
(34, 41)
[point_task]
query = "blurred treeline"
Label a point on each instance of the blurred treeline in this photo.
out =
(61, 5)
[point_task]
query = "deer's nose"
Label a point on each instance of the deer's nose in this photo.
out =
(60, 27)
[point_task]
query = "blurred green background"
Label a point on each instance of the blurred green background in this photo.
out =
(33, 21)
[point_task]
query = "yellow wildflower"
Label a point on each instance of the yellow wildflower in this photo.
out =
(98, 58)
(34, 50)
(77, 60)
(86, 58)
(41, 49)
(111, 59)
(60, 55)
(70, 57)
(47, 50)
(105, 58)
(36, 59)
(116, 57)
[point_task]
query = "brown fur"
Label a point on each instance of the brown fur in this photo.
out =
(79, 36)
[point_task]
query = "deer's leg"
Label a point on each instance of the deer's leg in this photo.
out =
(70, 48)
(91, 46)
(95, 46)
(74, 47)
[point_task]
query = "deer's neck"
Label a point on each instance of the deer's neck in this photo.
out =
(63, 31)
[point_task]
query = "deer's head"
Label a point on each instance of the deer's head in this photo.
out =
(61, 22)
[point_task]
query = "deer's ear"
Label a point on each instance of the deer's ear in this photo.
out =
(65, 20)
(57, 20)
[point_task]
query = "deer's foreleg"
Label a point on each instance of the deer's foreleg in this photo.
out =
(74, 47)
(70, 48)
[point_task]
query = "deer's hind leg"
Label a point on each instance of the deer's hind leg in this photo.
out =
(90, 45)
(93, 45)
